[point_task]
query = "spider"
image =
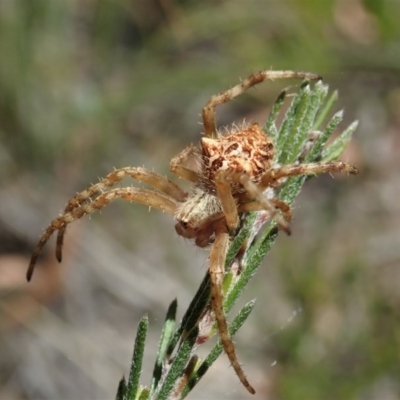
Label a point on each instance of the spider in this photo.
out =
(235, 169)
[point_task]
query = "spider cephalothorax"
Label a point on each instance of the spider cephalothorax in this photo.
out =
(245, 149)
(225, 160)
(235, 170)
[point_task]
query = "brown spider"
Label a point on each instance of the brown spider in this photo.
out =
(235, 169)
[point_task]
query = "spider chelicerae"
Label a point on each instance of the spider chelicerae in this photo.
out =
(235, 168)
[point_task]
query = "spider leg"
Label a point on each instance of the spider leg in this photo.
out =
(209, 119)
(143, 175)
(217, 272)
(183, 172)
(271, 177)
(258, 206)
(144, 196)
(262, 202)
(228, 203)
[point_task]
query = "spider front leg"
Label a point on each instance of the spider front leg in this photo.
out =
(147, 197)
(271, 177)
(217, 273)
(143, 175)
(209, 119)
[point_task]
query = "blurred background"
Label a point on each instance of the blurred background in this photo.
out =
(86, 86)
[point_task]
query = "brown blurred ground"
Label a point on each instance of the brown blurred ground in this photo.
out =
(92, 85)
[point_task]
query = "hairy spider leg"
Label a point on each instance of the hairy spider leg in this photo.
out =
(257, 200)
(271, 177)
(223, 229)
(217, 273)
(209, 117)
(268, 205)
(144, 196)
(228, 203)
(142, 175)
(258, 206)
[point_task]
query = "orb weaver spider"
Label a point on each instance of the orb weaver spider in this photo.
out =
(236, 167)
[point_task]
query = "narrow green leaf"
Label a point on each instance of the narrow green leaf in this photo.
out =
(296, 135)
(292, 188)
(321, 141)
(335, 149)
(301, 134)
(121, 391)
(252, 262)
(227, 282)
(193, 313)
(239, 239)
(261, 248)
(178, 365)
(325, 110)
(282, 144)
(258, 252)
(270, 126)
(307, 110)
(137, 359)
(166, 336)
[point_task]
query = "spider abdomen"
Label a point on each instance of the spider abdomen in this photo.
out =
(198, 208)
(195, 216)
